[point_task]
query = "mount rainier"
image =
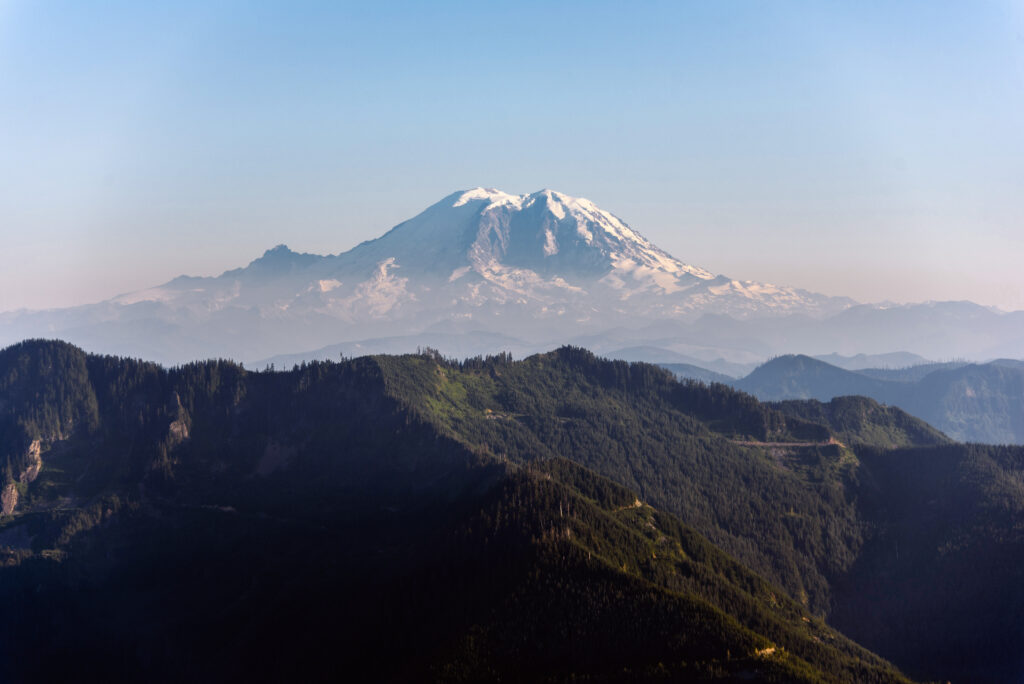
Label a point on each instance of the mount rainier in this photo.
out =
(542, 268)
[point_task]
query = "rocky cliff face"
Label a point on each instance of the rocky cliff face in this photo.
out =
(8, 499)
(35, 462)
(9, 496)
(178, 430)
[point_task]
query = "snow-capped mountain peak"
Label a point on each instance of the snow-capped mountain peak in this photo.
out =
(543, 261)
(491, 196)
(482, 248)
(547, 232)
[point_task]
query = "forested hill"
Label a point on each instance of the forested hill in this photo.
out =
(771, 488)
(969, 402)
(558, 517)
(863, 421)
(812, 496)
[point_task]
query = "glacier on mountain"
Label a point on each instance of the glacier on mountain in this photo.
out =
(539, 265)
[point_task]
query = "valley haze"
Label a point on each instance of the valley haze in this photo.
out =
(483, 271)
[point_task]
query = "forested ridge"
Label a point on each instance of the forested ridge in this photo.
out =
(970, 402)
(540, 520)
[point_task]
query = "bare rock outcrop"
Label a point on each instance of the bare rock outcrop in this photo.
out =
(177, 431)
(35, 462)
(8, 499)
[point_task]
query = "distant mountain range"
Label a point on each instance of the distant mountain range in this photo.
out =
(483, 271)
(883, 361)
(969, 402)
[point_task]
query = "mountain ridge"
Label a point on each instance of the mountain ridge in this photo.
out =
(232, 502)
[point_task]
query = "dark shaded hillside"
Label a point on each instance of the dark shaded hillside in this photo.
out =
(529, 581)
(212, 524)
(939, 582)
(44, 390)
(769, 486)
(558, 517)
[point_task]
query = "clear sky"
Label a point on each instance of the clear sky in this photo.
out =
(870, 149)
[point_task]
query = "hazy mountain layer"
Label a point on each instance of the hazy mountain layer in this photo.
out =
(969, 402)
(686, 371)
(892, 360)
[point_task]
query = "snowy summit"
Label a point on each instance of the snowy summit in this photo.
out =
(481, 259)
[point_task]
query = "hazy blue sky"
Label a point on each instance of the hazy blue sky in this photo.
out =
(872, 149)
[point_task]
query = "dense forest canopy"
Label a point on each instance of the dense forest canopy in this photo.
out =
(561, 516)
